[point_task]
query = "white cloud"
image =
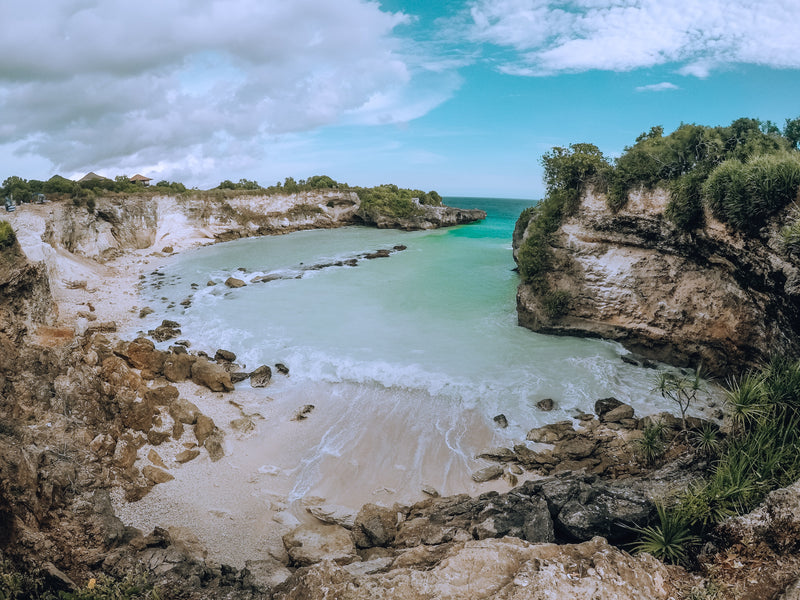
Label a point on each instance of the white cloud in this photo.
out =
(621, 35)
(657, 87)
(162, 83)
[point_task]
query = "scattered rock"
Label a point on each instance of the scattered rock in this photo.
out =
(303, 412)
(310, 544)
(213, 446)
(551, 433)
(184, 411)
(374, 526)
(603, 405)
(282, 368)
(497, 454)
(545, 404)
(430, 491)
(162, 395)
(211, 375)
(233, 282)
(178, 366)
(203, 429)
(261, 376)
(487, 474)
(187, 455)
(156, 475)
(618, 414)
(168, 250)
(224, 356)
(501, 421)
(333, 514)
(154, 458)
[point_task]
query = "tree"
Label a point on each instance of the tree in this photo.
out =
(18, 188)
(791, 131)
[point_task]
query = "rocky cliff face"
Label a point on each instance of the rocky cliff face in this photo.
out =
(428, 217)
(713, 296)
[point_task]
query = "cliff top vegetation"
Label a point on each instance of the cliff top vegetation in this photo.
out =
(385, 199)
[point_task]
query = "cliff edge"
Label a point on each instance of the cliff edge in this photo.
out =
(712, 296)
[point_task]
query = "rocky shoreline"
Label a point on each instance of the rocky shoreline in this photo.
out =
(85, 412)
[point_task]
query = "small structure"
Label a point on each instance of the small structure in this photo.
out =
(92, 176)
(141, 179)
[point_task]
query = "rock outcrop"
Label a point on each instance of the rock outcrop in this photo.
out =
(711, 296)
(426, 217)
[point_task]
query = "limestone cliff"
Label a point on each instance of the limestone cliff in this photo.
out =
(711, 296)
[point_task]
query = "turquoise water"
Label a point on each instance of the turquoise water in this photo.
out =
(424, 340)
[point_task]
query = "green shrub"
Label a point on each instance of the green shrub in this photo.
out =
(670, 540)
(651, 445)
(7, 235)
(567, 174)
(685, 207)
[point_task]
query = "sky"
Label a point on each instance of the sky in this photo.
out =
(458, 96)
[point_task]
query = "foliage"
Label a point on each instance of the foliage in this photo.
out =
(651, 445)
(391, 200)
(556, 303)
(745, 194)
(670, 539)
(7, 235)
(681, 389)
(790, 234)
(757, 178)
(172, 186)
(30, 585)
(567, 174)
(706, 440)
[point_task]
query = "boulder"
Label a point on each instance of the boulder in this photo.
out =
(265, 574)
(501, 421)
(333, 514)
(213, 445)
(211, 375)
(141, 354)
(203, 428)
(603, 405)
(374, 526)
(487, 473)
(224, 356)
(310, 544)
(604, 510)
(187, 455)
(233, 282)
(162, 333)
(545, 404)
(184, 411)
(156, 475)
(162, 395)
(618, 414)
(178, 366)
(551, 433)
(497, 454)
(575, 448)
(261, 376)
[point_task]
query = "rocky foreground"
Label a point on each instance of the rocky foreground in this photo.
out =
(80, 408)
(713, 296)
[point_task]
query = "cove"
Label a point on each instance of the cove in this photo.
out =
(406, 358)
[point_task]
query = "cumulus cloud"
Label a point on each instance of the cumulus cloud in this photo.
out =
(87, 83)
(621, 35)
(664, 86)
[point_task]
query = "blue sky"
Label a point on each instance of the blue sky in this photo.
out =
(458, 96)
